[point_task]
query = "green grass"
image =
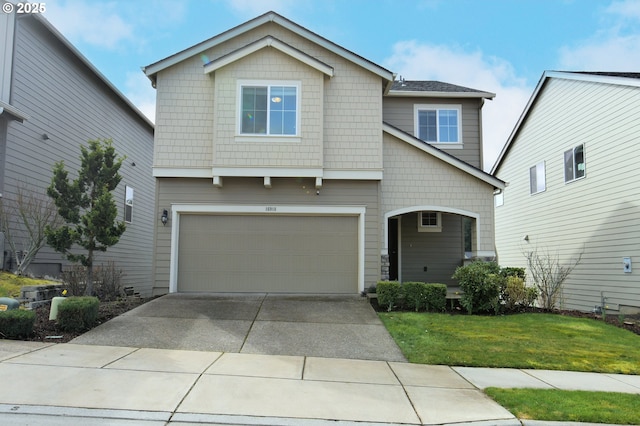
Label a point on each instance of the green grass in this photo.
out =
(537, 341)
(569, 406)
(10, 284)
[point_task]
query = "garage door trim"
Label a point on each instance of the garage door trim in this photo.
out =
(302, 210)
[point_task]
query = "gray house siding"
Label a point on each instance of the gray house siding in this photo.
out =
(399, 112)
(440, 253)
(68, 103)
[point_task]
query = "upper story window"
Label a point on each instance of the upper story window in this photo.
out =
(438, 123)
(537, 180)
(269, 109)
(574, 166)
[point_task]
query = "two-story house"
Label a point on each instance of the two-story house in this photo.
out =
(52, 101)
(572, 187)
(286, 163)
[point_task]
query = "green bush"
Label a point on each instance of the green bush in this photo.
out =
(389, 293)
(481, 284)
(435, 297)
(414, 295)
(78, 314)
(16, 323)
(513, 272)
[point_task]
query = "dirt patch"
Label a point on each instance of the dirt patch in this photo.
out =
(45, 330)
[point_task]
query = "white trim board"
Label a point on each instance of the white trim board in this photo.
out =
(277, 209)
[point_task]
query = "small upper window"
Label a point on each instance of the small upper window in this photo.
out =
(574, 166)
(269, 110)
(128, 204)
(429, 222)
(537, 180)
(438, 123)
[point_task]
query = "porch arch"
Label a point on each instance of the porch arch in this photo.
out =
(443, 209)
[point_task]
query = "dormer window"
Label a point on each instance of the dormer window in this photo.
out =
(438, 124)
(269, 109)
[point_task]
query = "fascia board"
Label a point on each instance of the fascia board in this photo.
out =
(154, 68)
(417, 94)
(261, 44)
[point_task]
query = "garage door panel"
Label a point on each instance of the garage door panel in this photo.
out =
(253, 253)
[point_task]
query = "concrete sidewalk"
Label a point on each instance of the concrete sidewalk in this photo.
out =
(95, 385)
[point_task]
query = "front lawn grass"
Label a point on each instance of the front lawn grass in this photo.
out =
(530, 340)
(569, 406)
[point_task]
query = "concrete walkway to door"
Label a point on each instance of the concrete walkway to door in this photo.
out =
(269, 324)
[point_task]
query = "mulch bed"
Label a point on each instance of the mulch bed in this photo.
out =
(45, 330)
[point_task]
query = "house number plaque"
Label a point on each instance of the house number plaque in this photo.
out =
(270, 209)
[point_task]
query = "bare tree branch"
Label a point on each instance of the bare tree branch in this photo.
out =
(548, 275)
(23, 220)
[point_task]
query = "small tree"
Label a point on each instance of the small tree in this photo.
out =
(548, 275)
(24, 220)
(87, 206)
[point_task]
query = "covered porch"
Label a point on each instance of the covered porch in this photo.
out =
(427, 243)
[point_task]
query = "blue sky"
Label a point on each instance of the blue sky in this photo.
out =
(500, 46)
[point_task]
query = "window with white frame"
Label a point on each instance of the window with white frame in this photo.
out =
(574, 166)
(269, 108)
(537, 179)
(438, 123)
(429, 222)
(128, 204)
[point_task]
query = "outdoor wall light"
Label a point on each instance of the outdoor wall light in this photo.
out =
(165, 217)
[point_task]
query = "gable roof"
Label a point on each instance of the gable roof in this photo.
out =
(443, 156)
(616, 78)
(435, 89)
(264, 42)
(152, 69)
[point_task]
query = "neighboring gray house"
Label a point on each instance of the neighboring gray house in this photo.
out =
(286, 163)
(573, 186)
(52, 100)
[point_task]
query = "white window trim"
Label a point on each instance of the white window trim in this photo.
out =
(126, 199)
(573, 154)
(433, 228)
(248, 137)
(437, 107)
(540, 178)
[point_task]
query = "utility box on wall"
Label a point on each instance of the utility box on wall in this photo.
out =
(626, 265)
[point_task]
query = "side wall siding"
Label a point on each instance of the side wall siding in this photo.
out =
(69, 104)
(596, 216)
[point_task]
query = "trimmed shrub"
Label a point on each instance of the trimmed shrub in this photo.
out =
(414, 295)
(510, 271)
(78, 314)
(389, 293)
(435, 296)
(481, 283)
(16, 323)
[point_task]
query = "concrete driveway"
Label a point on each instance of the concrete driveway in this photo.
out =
(269, 324)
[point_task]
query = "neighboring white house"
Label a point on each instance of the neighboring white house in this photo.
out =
(573, 186)
(287, 163)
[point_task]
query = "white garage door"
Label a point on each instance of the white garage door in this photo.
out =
(257, 253)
